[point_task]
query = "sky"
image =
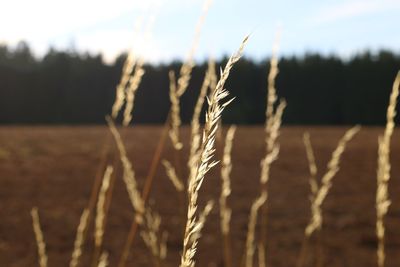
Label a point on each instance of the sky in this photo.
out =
(162, 30)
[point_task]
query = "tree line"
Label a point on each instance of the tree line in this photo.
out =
(66, 87)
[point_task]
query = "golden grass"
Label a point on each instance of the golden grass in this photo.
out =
(320, 191)
(175, 112)
(187, 67)
(383, 172)
(173, 177)
(273, 117)
(225, 211)
(326, 182)
(312, 166)
(251, 229)
(103, 262)
(201, 160)
(134, 82)
(207, 151)
(132, 73)
(100, 213)
(195, 122)
(178, 86)
(120, 90)
(78, 244)
(41, 245)
(144, 216)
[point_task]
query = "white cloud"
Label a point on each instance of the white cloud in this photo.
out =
(351, 9)
(83, 22)
(112, 43)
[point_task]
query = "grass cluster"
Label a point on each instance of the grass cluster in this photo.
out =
(188, 180)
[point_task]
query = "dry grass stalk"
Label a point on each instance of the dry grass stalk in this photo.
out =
(100, 213)
(150, 236)
(213, 116)
(250, 243)
(320, 191)
(145, 193)
(131, 75)
(128, 175)
(383, 172)
(173, 177)
(225, 211)
(144, 216)
(271, 95)
(195, 123)
(203, 218)
(213, 76)
(272, 131)
(273, 123)
(134, 82)
(187, 67)
(77, 252)
(163, 245)
(273, 119)
(272, 150)
(120, 90)
(179, 86)
(160, 146)
(39, 238)
(326, 182)
(103, 262)
(311, 165)
(175, 112)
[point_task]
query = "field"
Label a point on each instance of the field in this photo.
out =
(53, 168)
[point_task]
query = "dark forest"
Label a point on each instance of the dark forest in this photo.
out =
(77, 88)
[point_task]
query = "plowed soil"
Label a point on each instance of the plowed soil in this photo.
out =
(54, 169)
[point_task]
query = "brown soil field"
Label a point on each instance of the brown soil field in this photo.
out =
(53, 168)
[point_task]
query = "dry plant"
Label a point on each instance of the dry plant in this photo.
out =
(195, 136)
(134, 82)
(225, 211)
(41, 245)
(99, 221)
(101, 214)
(103, 262)
(120, 90)
(273, 123)
(144, 216)
(250, 242)
(125, 90)
(383, 172)
(194, 139)
(203, 218)
(183, 81)
(173, 177)
(320, 191)
(157, 245)
(326, 182)
(136, 77)
(204, 164)
(78, 244)
(179, 86)
(132, 73)
(312, 166)
(175, 112)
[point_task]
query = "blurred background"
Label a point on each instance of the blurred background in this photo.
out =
(60, 61)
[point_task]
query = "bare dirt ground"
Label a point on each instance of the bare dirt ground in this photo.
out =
(53, 168)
